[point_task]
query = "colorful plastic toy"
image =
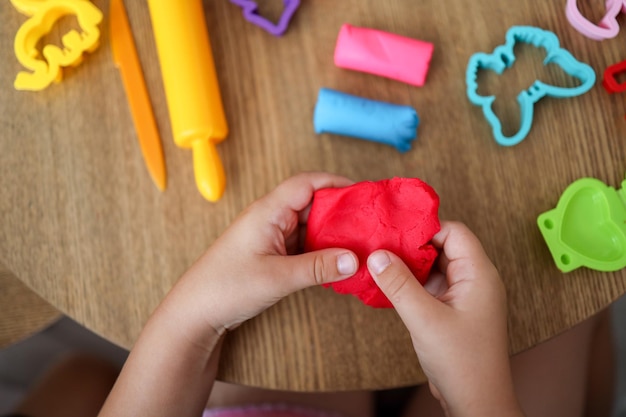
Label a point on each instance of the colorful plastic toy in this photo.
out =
(609, 81)
(382, 53)
(191, 88)
(608, 26)
(125, 57)
(42, 17)
(503, 57)
(345, 114)
(251, 14)
(587, 227)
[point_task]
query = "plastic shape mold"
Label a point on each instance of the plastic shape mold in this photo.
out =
(587, 227)
(609, 81)
(607, 28)
(251, 14)
(503, 57)
(42, 17)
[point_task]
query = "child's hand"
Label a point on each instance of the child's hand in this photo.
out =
(255, 262)
(171, 368)
(460, 332)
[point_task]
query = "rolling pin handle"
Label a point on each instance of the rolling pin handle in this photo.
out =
(208, 170)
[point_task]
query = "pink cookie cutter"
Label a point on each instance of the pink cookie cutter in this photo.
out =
(382, 53)
(607, 27)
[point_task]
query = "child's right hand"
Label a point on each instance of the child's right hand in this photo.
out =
(460, 332)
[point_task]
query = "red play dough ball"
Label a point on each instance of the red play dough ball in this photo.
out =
(399, 215)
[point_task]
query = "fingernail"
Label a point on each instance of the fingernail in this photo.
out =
(378, 262)
(346, 264)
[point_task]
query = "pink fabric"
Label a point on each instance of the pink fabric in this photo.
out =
(267, 410)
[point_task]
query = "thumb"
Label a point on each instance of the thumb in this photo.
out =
(319, 267)
(412, 302)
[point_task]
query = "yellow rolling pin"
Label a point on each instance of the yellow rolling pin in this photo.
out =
(191, 87)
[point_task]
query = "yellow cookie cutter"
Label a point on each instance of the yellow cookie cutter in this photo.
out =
(43, 15)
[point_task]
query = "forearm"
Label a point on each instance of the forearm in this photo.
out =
(491, 393)
(170, 370)
(499, 404)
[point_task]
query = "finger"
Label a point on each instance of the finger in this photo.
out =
(296, 192)
(412, 302)
(457, 240)
(461, 250)
(282, 206)
(436, 284)
(303, 215)
(315, 268)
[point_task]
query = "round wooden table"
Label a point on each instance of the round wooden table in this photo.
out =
(23, 312)
(82, 224)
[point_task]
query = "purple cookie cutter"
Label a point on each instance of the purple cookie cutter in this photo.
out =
(251, 14)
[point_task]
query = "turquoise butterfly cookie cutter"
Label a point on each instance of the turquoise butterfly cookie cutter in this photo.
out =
(503, 57)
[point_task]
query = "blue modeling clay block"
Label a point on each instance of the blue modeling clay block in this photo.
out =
(348, 115)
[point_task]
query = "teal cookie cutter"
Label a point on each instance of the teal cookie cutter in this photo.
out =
(503, 57)
(587, 227)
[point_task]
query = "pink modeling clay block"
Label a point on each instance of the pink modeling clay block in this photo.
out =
(382, 53)
(399, 215)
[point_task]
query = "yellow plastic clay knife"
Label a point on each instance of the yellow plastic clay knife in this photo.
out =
(125, 57)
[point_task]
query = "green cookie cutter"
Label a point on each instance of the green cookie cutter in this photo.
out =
(587, 227)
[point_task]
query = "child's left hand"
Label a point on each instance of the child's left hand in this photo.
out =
(255, 262)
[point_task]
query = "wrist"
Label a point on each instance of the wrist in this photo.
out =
(184, 323)
(512, 409)
(491, 393)
(174, 361)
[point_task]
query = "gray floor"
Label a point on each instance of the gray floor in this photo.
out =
(21, 363)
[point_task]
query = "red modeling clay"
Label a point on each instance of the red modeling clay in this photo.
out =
(399, 215)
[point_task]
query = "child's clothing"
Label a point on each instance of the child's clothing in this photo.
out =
(267, 410)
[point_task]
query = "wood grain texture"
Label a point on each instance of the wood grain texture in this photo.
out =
(82, 223)
(23, 312)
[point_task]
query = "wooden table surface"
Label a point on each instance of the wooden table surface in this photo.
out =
(23, 312)
(83, 225)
